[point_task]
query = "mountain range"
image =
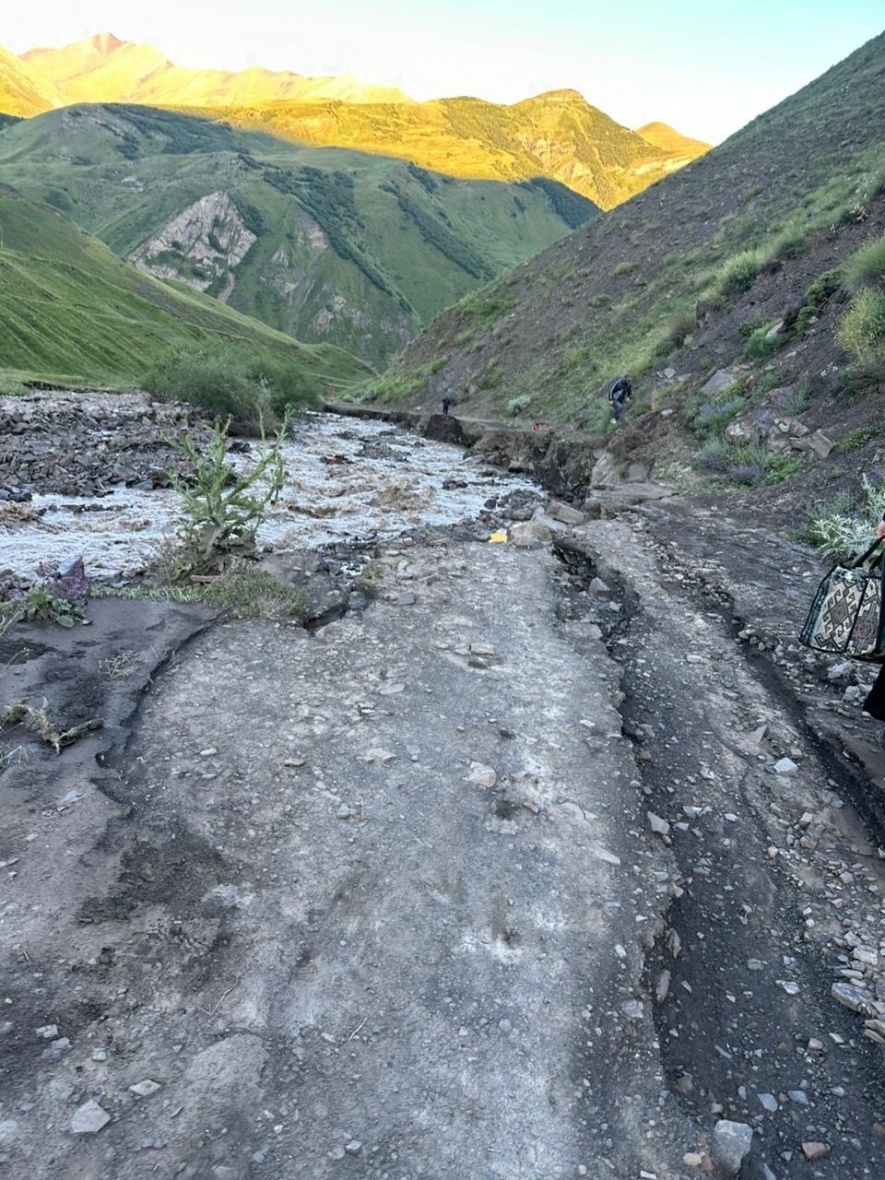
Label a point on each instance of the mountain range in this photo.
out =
(330, 246)
(558, 135)
(745, 295)
(106, 69)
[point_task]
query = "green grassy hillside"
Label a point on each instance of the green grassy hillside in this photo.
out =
(329, 246)
(69, 308)
(764, 259)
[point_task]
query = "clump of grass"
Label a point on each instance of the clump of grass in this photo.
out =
(862, 330)
(680, 327)
(824, 288)
(737, 274)
(760, 346)
(625, 268)
(865, 269)
(249, 592)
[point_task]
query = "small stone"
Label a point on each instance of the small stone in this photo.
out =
(354, 1147)
(659, 826)
(89, 1118)
(791, 988)
(785, 766)
(391, 690)
(768, 1101)
(814, 1150)
(145, 1089)
(6, 1026)
(731, 1143)
(208, 752)
(379, 755)
(406, 599)
(482, 776)
(798, 1096)
(99, 1054)
(693, 1159)
(49, 1032)
(343, 811)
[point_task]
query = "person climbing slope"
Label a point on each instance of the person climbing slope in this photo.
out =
(619, 395)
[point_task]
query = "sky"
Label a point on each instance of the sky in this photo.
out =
(706, 67)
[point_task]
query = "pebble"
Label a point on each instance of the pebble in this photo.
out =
(791, 988)
(814, 1150)
(145, 1089)
(768, 1101)
(89, 1118)
(798, 1096)
(49, 1032)
(208, 752)
(99, 1054)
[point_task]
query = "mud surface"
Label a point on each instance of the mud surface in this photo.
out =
(494, 877)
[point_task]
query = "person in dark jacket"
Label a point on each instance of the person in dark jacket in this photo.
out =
(620, 393)
(875, 702)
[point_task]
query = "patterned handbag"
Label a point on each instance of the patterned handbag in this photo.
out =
(847, 616)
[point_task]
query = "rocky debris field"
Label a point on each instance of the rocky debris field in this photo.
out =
(85, 444)
(555, 857)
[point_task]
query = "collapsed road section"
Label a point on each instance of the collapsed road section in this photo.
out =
(769, 979)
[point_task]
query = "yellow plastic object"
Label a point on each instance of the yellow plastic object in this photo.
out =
(498, 538)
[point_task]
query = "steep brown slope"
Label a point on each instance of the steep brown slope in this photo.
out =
(106, 69)
(656, 288)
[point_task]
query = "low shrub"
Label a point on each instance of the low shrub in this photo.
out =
(848, 524)
(517, 404)
(233, 384)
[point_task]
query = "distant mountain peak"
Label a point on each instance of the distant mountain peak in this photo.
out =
(106, 42)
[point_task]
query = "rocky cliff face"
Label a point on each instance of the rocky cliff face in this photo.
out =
(201, 246)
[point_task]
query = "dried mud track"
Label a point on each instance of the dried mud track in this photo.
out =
(388, 901)
(373, 904)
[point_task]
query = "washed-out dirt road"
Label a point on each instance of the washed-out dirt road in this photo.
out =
(527, 870)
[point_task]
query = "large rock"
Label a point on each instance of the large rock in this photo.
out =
(720, 380)
(605, 473)
(731, 1143)
(565, 513)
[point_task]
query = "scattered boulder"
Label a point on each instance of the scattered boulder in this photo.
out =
(731, 1143)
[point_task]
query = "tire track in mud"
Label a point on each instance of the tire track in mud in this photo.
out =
(756, 932)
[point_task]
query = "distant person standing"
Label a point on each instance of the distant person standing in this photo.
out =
(619, 395)
(447, 401)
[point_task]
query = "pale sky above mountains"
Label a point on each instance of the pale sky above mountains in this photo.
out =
(705, 66)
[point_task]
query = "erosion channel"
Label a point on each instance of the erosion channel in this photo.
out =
(524, 861)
